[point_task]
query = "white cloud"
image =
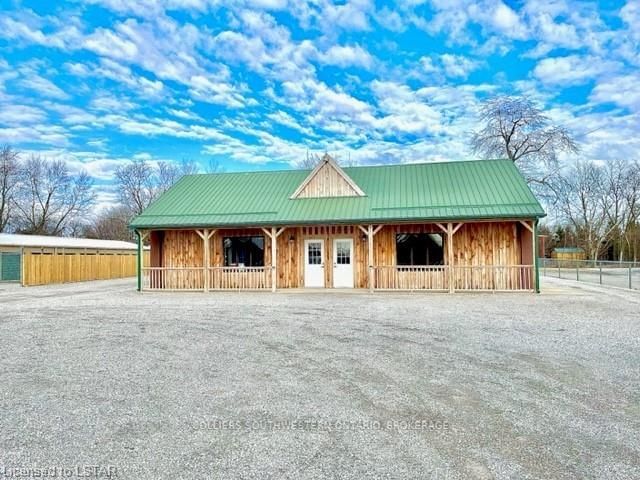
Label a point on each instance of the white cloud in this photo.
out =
(21, 114)
(447, 65)
(391, 20)
(457, 65)
(571, 70)
(109, 44)
(36, 133)
(507, 21)
(347, 56)
(184, 114)
(283, 118)
(210, 91)
(403, 110)
(27, 28)
(44, 87)
(622, 90)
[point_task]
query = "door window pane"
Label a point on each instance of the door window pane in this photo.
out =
(314, 250)
(343, 253)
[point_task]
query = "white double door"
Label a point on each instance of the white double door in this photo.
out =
(342, 263)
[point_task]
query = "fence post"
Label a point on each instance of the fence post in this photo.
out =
(629, 277)
(559, 274)
(577, 272)
(600, 274)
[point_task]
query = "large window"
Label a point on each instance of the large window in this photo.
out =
(243, 251)
(419, 249)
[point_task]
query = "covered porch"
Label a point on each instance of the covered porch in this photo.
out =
(483, 255)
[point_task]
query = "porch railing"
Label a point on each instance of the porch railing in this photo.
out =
(194, 278)
(431, 277)
(173, 278)
(465, 277)
(493, 277)
(392, 277)
(240, 278)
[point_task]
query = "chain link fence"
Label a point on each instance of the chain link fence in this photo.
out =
(599, 272)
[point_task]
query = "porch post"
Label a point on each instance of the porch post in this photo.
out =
(536, 255)
(370, 257)
(450, 255)
(139, 260)
(206, 260)
(274, 257)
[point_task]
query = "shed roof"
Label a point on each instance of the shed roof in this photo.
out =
(484, 189)
(36, 241)
(568, 250)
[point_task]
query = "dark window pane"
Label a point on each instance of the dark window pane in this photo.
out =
(419, 249)
(246, 251)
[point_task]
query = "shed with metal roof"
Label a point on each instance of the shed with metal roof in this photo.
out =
(42, 260)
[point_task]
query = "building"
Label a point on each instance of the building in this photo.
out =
(433, 226)
(568, 253)
(41, 260)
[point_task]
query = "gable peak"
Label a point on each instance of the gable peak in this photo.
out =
(327, 179)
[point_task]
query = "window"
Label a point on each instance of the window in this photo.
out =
(343, 253)
(419, 249)
(315, 253)
(243, 251)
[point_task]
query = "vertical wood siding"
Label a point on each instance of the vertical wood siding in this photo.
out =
(327, 182)
(474, 244)
(49, 265)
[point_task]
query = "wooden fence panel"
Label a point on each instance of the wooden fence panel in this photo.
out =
(65, 267)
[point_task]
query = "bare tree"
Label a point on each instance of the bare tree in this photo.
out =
(135, 185)
(311, 160)
(586, 202)
(516, 129)
(139, 182)
(50, 200)
(214, 166)
(168, 173)
(111, 224)
(9, 172)
(621, 202)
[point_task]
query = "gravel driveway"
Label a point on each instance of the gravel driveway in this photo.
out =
(101, 381)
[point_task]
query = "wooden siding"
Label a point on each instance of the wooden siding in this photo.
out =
(59, 265)
(327, 182)
(478, 244)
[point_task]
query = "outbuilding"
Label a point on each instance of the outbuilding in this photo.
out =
(444, 226)
(41, 260)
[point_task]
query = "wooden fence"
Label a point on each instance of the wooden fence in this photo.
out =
(46, 266)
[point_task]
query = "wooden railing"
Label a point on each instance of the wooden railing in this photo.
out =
(493, 277)
(172, 278)
(240, 278)
(423, 277)
(485, 277)
(194, 278)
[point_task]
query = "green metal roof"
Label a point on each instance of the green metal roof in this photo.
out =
(463, 190)
(568, 250)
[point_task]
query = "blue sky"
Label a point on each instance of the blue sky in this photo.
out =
(258, 84)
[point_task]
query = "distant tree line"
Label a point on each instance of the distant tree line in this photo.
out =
(42, 197)
(45, 197)
(593, 205)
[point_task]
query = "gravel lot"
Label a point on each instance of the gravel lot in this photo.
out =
(320, 385)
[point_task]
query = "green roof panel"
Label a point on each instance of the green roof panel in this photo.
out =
(478, 189)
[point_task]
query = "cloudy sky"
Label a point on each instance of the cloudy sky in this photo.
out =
(257, 84)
